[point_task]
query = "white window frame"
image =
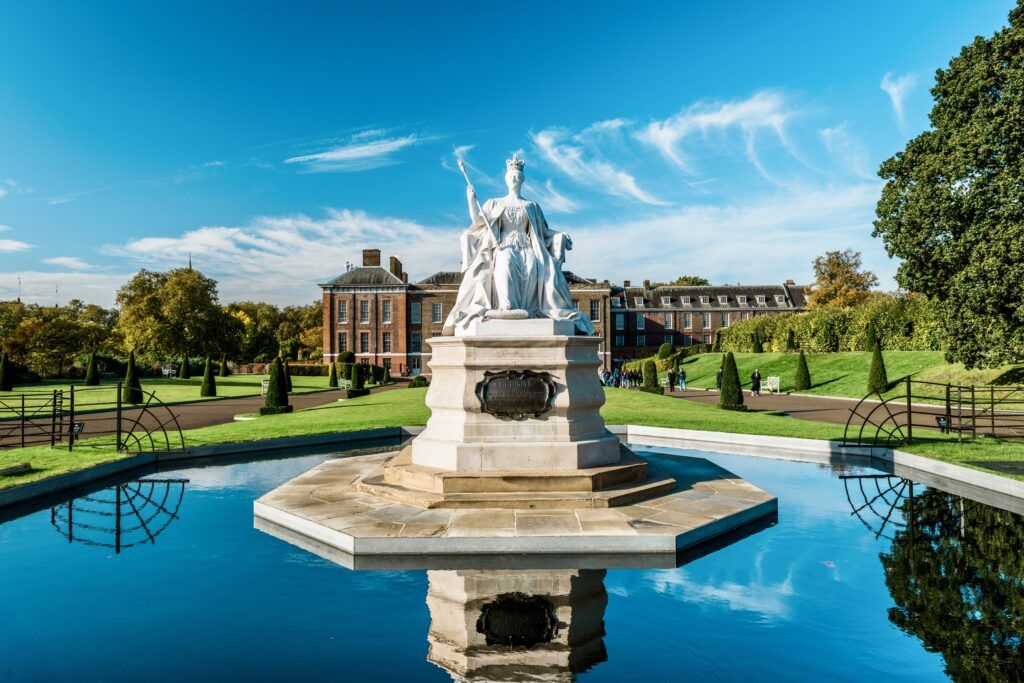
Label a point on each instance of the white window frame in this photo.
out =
(620, 321)
(416, 313)
(725, 320)
(595, 311)
(342, 341)
(687, 300)
(385, 311)
(741, 299)
(364, 336)
(364, 311)
(761, 301)
(342, 311)
(705, 321)
(723, 300)
(667, 321)
(638, 301)
(705, 300)
(617, 301)
(687, 321)
(620, 340)
(780, 299)
(641, 321)
(666, 301)
(385, 342)
(436, 313)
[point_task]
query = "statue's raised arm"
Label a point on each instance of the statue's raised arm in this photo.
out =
(512, 261)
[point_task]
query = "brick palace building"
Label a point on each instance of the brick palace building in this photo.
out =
(376, 313)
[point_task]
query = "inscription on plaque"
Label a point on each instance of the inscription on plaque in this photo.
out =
(516, 394)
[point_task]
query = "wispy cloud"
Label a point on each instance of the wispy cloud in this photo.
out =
(360, 153)
(69, 262)
(847, 149)
(769, 600)
(550, 199)
(765, 110)
(897, 87)
(12, 246)
(584, 165)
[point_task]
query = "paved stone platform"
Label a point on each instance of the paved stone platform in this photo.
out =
(325, 506)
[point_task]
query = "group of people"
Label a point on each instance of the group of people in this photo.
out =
(632, 379)
(755, 380)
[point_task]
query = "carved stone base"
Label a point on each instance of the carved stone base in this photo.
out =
(506, 314)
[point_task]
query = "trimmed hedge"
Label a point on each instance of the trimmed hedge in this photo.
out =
(347, 357)
(802, 380)
(418, 382)
(6, 373)
(332, 378)
(731, 397)
(209, 385)
(131, 390)
(663, 364)
(92, 372)
(878, 379)
(665, 351)
(276, 401)
(650, 374)
(356, 393)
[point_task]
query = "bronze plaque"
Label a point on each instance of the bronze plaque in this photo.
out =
(516, 394)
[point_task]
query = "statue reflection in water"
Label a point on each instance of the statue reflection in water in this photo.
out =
(502, 625)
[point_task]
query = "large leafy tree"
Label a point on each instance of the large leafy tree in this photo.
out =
(956, 576)
(953, 204)
(685, 281)
(840, 280)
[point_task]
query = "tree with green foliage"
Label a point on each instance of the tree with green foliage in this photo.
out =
(6, 373)
(685, 281)
(209, 385)
(802, 380)
(287, 377)
(223, 370)
(649, 378)
(332, 376)
(276, 401)
(731, 397)
(870, 337)
(951, 205)
(131, 388)
(840, 280)
(790, 340)
(665, 350)
(758, 344)
(92, 372)
(347, 357)
(878, 380)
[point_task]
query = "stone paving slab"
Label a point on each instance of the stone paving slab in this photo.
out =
(324, 506)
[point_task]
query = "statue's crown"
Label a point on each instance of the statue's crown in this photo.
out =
(515, 162)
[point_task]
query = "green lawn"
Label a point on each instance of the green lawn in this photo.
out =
(846, 374)
(167, 390)
(405, 407)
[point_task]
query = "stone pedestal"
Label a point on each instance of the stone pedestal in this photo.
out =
(569, 434)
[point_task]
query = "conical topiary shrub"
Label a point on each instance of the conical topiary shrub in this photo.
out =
(131, 390)
(802, 380)
(790, 340)
(717, 346)
(92, 373)
(731, 397)
(184, 371)
(287, 377)
(223, 370)
(758, 344)
(877, 378)
(209, 385)
(6, 373)
(276, 401)
(871, 339)
(386, 379)
(356, 386)
(332, 376)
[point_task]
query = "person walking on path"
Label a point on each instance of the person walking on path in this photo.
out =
(755, 383)
(682, 379)
(718, 378)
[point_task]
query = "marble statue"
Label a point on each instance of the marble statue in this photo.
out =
(512, 261)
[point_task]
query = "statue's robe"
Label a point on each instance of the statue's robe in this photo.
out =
(476, 293)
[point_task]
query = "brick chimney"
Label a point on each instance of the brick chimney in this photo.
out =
(405, 277)
(647, 284)
(395, 266)
(371, 257)
(791, 282)
(625, 283)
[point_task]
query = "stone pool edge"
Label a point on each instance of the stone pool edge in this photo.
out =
(1009, 491)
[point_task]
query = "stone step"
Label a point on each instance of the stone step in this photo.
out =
(623, 494)
(400, 471)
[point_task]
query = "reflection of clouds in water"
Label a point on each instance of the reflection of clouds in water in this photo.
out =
(767, 599)
(261, 475)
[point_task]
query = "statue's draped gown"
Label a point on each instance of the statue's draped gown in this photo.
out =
(508, 264)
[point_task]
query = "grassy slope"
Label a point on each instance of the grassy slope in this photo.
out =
(167, 390)
(405, 407)
(843, 374)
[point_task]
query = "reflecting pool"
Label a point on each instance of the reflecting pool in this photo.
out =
(162, 577)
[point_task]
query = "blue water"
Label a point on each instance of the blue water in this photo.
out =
(805, 600)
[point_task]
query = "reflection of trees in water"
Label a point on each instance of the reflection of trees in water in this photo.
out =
(120, 516)
(956, 573)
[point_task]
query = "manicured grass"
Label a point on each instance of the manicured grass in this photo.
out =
(169, 390)
(846, 374)
(405, 407)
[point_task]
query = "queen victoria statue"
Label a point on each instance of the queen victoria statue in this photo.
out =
(512, 262)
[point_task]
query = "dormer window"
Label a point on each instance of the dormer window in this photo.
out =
(705, 299)
(687, 300)
(723, 300)
(760, 300)
(666, 301)
(617, 301)
(638, 301)
(741, 299)
(780, 299)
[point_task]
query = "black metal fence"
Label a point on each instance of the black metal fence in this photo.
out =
(891, 418)
(63, 417)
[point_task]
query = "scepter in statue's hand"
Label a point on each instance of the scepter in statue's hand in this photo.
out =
(476, 212)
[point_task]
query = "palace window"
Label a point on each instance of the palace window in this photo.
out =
(342, 342)
(387, 365)
(687, 300)
(620, 340)
(707, 339)
(638, 301)
(667, 322)
(725, 320)
(414, 365)
(416, 343)
(780, 299)
(576, 304)
(666, 301)
(385, 311)
(617, 302)
(342, 311)
(620, 321)
(364, 311)
(364, 342)
(386, 342)
(741, 299)
(595, 311)
(641, 340)
(669, 339)
(435, 313)
(705, 321)
(416, 313)
(705, 299)
(723, 300)
(641, 323)
(687, 320)
(687, 340)
(745, 315)
(760, 300)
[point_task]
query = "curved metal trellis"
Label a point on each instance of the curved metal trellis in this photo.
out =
(877, 500)
(148, 426)
(121, 516)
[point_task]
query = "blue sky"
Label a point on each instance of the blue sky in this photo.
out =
(734, 140)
